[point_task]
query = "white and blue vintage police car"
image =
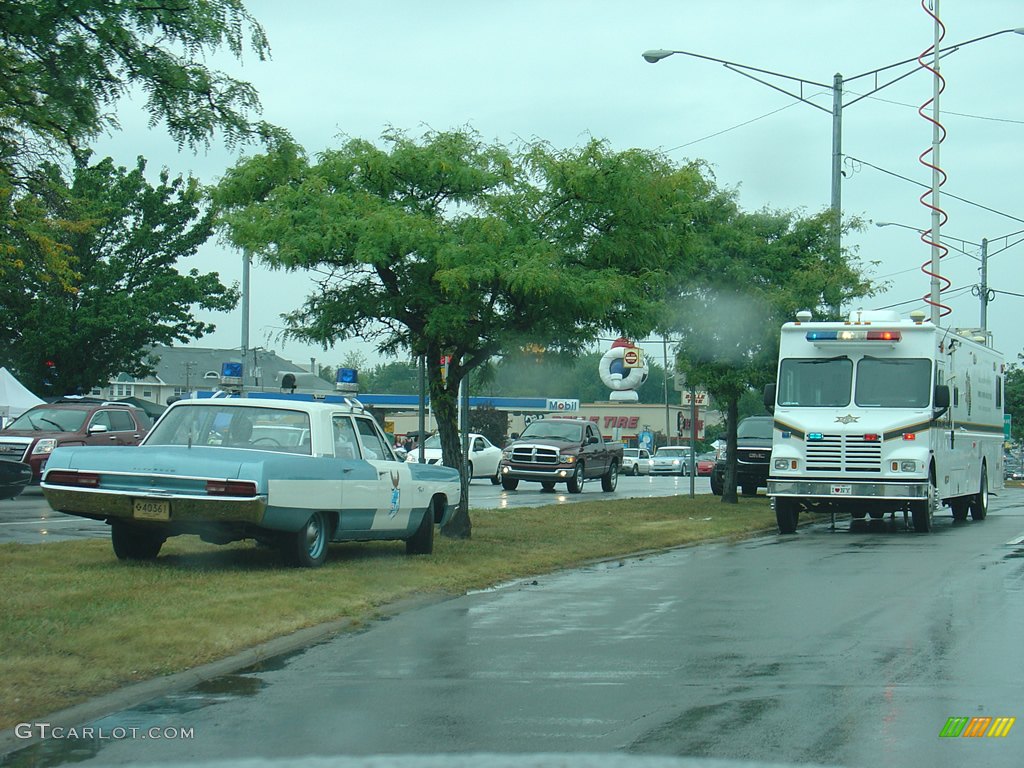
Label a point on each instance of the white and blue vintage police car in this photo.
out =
(291, 472)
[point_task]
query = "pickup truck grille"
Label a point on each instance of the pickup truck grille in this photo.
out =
(14, 449)
(534, 454)
(844, 453)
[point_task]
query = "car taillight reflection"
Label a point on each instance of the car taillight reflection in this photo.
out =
(230, 488)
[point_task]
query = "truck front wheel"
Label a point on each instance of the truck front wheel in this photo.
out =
(921, 512)
(575, 483)
(509, 483)
(787, 512)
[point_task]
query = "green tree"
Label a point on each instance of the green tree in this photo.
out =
(1013, 400)
(450, 247)
(66, 66)
(763, 268)
(125, 293)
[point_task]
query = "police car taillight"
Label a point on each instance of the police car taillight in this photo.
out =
(230, 488)
(70, 477)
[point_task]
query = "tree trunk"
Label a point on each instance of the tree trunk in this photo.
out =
(732, 416)
(444, 398)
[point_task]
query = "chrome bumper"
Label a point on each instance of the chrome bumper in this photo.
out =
(848, 489)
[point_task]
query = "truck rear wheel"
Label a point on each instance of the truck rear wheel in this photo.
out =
(979, 502)
(787, 513)
(959, 508)
(610, 478)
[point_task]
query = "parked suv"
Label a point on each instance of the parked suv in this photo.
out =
(753, 457)
(32, 437)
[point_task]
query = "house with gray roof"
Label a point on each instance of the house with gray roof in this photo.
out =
(181, 370)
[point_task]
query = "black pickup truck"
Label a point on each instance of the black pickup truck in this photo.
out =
(561, 450)
(753, 454)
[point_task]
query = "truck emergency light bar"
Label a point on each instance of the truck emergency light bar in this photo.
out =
(854, 336)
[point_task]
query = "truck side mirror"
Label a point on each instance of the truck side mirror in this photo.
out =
(769, 397)
(940, 399)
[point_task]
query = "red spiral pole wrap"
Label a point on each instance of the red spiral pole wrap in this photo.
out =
(929, 198)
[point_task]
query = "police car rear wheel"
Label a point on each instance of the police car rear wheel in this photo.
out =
(134, 543)
(307, 547)
(422, 542)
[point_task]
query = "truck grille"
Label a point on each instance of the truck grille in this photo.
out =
(14, 450)
(534, 454)
(844, 453)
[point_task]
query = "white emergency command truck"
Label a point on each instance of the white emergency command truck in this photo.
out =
(878, 415)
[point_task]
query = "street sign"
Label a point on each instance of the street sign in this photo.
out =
(701, 398)
(646, 440)
(633, 358)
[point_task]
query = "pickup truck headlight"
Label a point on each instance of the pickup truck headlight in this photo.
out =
(506, 455)
(566, 458)
(44, 445)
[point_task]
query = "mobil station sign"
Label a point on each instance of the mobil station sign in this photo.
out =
(563, 406)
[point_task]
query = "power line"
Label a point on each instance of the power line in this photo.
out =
(927, 186)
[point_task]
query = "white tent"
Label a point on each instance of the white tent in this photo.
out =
(14, 398)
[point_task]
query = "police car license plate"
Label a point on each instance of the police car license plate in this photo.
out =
(148, 509)
(842, 490)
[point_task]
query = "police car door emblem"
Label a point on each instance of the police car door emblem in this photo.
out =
(395, 495)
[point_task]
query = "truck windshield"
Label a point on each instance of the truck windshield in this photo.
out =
(554, 430)
(815, 382)
(889, 383)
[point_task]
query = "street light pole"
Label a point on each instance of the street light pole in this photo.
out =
(838, 83)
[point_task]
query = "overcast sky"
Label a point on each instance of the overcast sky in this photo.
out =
(567, 70)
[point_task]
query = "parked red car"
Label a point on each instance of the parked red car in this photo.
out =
(32, 437)
(705, 464)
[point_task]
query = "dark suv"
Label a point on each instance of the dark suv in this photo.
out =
(753, 457)
(32, 437)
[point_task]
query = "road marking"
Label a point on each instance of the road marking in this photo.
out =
(1016, 542)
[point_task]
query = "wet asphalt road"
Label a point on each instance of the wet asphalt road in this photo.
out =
(851, 648)
(28, 519)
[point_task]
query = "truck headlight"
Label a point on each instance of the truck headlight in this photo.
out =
(783, 464)
(566, 459)
(44, 445)
(905, 465)
(506, 455)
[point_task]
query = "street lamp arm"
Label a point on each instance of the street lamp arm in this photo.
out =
(943, 52)
(654, 56)
(798, 96)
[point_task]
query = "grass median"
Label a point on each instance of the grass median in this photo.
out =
(77, 623)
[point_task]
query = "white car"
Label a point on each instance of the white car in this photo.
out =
(484, 456)
(636, 461)
(671, 460)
